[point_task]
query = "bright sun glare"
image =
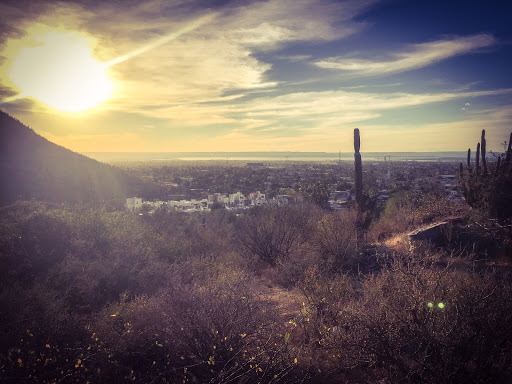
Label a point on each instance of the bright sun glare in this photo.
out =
(60, 71)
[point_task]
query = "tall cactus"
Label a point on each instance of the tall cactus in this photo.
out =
(482, 149)
(358, 169)
(508, 155)
(477, 163)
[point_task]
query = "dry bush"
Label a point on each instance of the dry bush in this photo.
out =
(335, 239)
(291, 270)
(272, 234)
(405, 211)
(324, 298)
(397, 331)
(218, 333)
(433, 207)
(44, 311)
(41, 340)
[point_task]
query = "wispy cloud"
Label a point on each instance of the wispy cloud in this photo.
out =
(413, 57)
(205, 82)
(296, 113)
(164, 56)
(336, 135)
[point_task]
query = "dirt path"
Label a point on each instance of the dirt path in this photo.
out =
(288, 302)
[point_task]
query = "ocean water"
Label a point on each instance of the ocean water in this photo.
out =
(110, 157)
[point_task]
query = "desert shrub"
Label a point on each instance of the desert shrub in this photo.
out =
(206, 236)
(273, 233)
(61, 264)
(41, 339)
(289, 272)
(219, 333)
(405, 211)
(437, 206)
(117, 305)
(111, 253)
(324, 297)
(32, 240)
(335, 239)
(418, 323)
(210, 235)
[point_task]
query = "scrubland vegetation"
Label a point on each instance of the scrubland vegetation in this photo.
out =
(95, 294)
(92, 293)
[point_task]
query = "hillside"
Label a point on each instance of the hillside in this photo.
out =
(32, 167)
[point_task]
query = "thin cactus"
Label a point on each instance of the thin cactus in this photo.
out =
(462, 179)
(477, 162)
(498, 166)
(509, 150)
(358, 169)
(482, 149)
(469, 160)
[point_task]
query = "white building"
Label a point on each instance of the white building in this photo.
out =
(236, 198)
(133, 203)
(257, 198)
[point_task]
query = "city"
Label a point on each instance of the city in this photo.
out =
(196, 188)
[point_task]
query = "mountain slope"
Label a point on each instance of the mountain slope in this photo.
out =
(31, 167)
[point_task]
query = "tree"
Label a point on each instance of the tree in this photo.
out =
(315, 192)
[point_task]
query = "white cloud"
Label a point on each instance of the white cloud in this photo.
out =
(267, 24)
(413, 57)
(210, 77)
(304, 113)
(339, 102)
(207, 62)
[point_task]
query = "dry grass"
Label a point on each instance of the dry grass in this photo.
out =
(399, 243)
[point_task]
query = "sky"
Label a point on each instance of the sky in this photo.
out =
(269, 75)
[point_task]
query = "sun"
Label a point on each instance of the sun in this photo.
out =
(58, 69)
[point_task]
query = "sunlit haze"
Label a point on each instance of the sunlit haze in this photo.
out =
(273, 75)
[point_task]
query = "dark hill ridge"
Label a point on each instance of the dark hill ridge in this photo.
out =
(32, 167)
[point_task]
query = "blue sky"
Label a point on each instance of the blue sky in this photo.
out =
(276, 75)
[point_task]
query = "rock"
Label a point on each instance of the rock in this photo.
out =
(437, 234)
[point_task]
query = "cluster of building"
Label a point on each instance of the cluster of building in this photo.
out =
(233, 201)
(338, 200)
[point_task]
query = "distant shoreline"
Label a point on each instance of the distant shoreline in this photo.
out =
(274, 156)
